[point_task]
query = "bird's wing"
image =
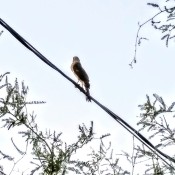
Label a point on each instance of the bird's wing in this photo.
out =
(80, 72)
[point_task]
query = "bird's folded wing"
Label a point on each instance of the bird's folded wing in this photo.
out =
(80, 72)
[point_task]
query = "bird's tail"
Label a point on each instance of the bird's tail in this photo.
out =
(87, 87)
(88, 98)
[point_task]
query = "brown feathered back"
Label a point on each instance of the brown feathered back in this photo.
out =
(80, 73)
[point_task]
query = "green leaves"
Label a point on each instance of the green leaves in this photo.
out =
(153, 5)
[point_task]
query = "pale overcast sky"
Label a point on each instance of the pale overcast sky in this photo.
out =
(102, 34)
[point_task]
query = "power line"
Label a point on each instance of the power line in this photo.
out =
(129, 128)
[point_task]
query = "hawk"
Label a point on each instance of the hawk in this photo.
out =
(81, 74)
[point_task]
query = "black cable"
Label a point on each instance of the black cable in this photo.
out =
(134, 132)
(36, 52)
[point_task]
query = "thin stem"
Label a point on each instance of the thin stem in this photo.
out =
(137, 35)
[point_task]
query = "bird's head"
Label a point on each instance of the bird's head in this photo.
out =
(75, 58)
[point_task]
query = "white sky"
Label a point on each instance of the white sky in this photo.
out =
(102, 34)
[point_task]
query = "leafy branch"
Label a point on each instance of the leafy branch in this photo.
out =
(51, 155)
(165, 28)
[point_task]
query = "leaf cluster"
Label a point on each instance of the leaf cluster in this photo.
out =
(163, 21)
(153, 120)
(50, 154)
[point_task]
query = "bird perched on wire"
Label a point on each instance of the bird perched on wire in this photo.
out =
(81, 74)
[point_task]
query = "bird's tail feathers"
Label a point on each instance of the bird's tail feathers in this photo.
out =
(88, 98)
(87, 87)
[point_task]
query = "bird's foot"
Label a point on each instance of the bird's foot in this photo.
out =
(77, 86)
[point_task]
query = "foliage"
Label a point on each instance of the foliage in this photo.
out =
(50, 154)
(153, 120)
(163, 21)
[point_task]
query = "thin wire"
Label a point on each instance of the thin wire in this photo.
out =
(134, 132)
(130, 129)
